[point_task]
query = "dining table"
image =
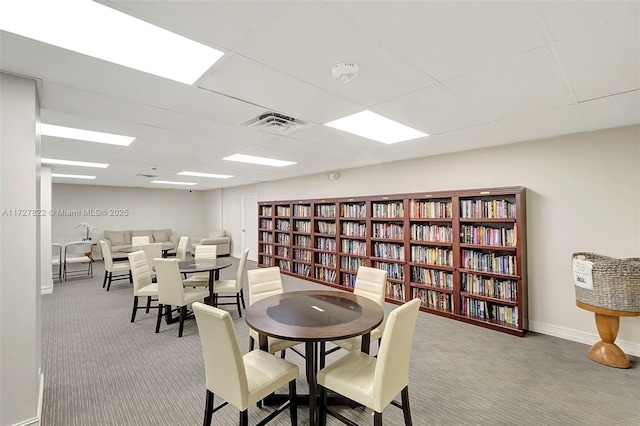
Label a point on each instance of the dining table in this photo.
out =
(314, 317)
(212, 266)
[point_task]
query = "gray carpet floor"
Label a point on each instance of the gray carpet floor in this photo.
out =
(101, 369)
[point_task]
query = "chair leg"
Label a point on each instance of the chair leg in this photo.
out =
(377, 419)
(148, 303)
(252, 343)
(405, 406)
(130, 278)
(238, 303)
(183, 315)
(104, 282)
(160, 307)
(244, 418)
(282, 354)
(110, 278)
(208, 409)
(135, 308)
(242, 298)
(293, 408)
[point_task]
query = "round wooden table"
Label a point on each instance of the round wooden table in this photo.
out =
(312, 317)
(608, 322)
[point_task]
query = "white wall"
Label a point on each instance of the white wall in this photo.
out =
(213, 207)
(583, 195)
(20, 321)
(182, 211)
(46, 281)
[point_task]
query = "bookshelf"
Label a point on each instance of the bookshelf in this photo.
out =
(462, 252)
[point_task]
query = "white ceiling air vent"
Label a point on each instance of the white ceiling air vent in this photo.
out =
(274, 122)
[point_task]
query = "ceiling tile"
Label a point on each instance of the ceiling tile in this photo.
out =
(566, 18)
(603, 61)
(545, 124)
(528, 82)
(448, 39)
(612, 111)
(432, 110)
(214, 106)
(273, 90)
(318, 37)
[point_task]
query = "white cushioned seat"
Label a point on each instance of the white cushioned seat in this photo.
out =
(142, 284)
(201, 279)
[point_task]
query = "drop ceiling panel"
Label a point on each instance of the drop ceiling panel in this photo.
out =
(64, 67)
(545, 124)
(525, 83)
(274, 90)
(432, 110)
(605, 60)
(318, 37)
(217, 23)
(448, 39)
(213, 106)
(566, 18)
(612, 111)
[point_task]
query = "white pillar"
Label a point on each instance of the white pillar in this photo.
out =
(20, 323)
(45, 230)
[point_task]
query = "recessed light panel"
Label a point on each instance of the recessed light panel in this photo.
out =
(61, 175)
(167, 182)
(73, 163)
(84, 135)
(96, 30)
(376, 127)
(207, 175)
(258, 160)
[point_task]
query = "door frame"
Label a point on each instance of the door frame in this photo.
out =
(253, 251)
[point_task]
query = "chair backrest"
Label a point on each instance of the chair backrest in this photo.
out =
(140, 270)
(224, 366)
(203, 252)
(152, 251)
(241, 270)
(263, 282)
(371, 283)
(181, 251)
(136, 242)
(392, 368)
(56, 253)
(106, 256)
(77, 249)
(170, 287)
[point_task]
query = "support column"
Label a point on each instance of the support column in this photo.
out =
(45, 230)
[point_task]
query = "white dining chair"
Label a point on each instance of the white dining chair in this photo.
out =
(241, 380)
(77, 252)
(152, 251)
(370, 381)
(181, 250)
(232, 288)
(56, 258)
(142, 282)
(201, 279)
(138, 241)
(121, 269)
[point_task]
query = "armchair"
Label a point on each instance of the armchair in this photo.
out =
(220, 239)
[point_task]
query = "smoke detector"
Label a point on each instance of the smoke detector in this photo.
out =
(345, 71)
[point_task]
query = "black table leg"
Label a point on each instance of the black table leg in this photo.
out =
(365, 343)
(209, 300)
(310, 348)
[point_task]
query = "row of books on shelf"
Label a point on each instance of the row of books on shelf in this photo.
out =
(434, 233)
(302, 226)
(388, 250)
(266, 237)
(393, 210)
(490, 287)
(328, 244)
(432, 255)
(434, 299)
(395, 290)
(489, 262)
(431, 209)
(348, 280)
(283, 225)
(354, 247)
(488, 236)
(282, 251)
(284, 265)
(266, 210)
(304, 255)
(432, 277)
(282, 238)
(266, 223)
(325, 274)
(326, 228)
(395, 271)
(482, 309)
(492, 209)
(326, 210)
(388, 230)
(352, 263)
(353, 210)
(301, 210)
(326, 259)
(302, 269)
(354, 229)
(302, 240)
(283, 211)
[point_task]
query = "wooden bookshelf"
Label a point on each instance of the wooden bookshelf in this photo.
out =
(462, 252)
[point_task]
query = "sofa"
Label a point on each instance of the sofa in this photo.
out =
(218, 238)
(121, 240)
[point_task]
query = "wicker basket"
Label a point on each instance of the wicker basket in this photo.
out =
(616, 283)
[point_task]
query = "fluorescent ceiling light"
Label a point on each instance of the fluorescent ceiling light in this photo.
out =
(96, 30)
(207, 175)
(166, 182)
(85, 135)
(61, 175)
(258, 160)
(73, 163)
(374, 126)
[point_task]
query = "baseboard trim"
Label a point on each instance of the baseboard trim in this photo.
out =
(580, 336)
(47, 289)
(35, 421)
